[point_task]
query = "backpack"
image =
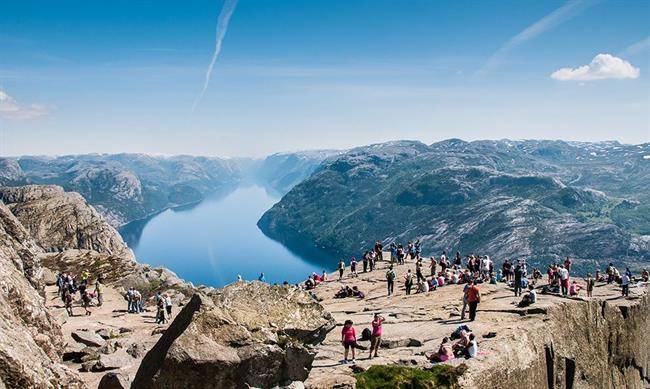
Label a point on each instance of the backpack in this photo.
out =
(366, 334)
(390, 275)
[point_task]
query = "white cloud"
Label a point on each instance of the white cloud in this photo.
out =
(603, 66)
(11, 109)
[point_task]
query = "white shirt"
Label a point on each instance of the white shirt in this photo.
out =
(472, 349)
(564, 273)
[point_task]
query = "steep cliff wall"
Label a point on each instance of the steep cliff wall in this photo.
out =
(590, 344)
(30, 338)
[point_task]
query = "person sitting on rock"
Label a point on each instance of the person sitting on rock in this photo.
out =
(324, 276)
(444, 353)
(349, 340)
(357, 293)
(529, 298)
(645, 275)
(472, 348)
(433, 283)
(462, 344)
(574, 289)
(423, 287)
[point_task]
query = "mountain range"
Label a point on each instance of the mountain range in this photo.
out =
(540, 200)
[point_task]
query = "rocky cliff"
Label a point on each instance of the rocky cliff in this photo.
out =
(246, 334)
(60, 220)
(591, 344)
(31, 342)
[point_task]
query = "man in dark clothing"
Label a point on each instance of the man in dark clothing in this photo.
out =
(379, 251)
(519, 273)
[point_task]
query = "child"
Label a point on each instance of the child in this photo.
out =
(349, 340)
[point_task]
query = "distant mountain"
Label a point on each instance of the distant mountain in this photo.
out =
(282, 171)
(509, 199)
(126, 187)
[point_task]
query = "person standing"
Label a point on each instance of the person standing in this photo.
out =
(418, 270)
(473, 299)
(519, 274)
(462, 311)
(625, 285)
(353, 267)
(365, 261)
(349, 340)
(168, 306)
(408, 282)
(99, 291)
(379, 251)
(341, 269)
(564, 279)
(390, 279)
(375, 338)
(590, 282)
(567, 264)
(433, 266)
(67, 299)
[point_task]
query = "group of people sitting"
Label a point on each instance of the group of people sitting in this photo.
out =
(347, 291)
(465, 347)
(67, 288)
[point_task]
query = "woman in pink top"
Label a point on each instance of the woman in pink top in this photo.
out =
(441, 280)
(349, 339)
(375, 339)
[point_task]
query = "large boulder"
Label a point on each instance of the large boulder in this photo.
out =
(246, 334)
(114, 380)
(88, 338)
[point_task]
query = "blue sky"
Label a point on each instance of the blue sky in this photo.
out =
(122, 76)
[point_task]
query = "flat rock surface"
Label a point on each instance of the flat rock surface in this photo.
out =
(428, 318)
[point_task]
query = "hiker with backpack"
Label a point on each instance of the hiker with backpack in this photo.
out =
(390, 279)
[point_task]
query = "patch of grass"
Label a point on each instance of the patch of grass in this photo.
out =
(402, 377)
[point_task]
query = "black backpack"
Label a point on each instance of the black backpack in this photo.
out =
(365, 334)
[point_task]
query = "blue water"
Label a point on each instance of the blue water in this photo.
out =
(214, 241)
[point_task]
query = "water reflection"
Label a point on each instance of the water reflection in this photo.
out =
(213, 241)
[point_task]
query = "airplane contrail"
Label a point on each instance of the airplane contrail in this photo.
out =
(222, 27)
